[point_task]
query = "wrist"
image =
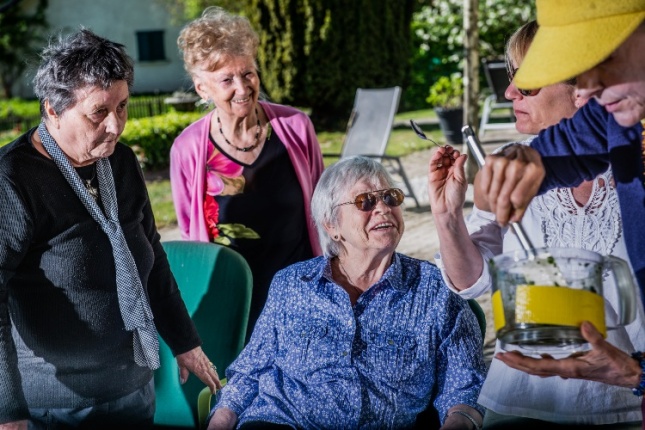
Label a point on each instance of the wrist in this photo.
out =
(466, 418)
(639, 388)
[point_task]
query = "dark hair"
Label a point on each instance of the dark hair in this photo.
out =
(76, 61)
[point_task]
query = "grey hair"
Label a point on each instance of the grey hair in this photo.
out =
(216, 36)
(333, 183)
(78, 60)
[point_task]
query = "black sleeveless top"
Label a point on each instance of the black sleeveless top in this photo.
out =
(264, 218)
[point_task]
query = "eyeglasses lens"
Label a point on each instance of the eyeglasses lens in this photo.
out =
(525, 93)
(367, 201)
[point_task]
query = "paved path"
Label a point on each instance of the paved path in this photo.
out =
(419, 239)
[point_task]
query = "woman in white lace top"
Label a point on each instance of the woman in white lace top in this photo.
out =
(585, 217)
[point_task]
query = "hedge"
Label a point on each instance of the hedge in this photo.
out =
(150, 138)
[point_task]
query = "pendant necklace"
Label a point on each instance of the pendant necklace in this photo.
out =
(244, 148)
(91, 189)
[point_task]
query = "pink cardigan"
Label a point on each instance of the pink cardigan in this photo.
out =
(188, 167)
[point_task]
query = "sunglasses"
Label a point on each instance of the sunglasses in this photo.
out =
(525, 93)
(365, 202)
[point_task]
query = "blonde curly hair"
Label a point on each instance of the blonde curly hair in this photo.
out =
(215, 37)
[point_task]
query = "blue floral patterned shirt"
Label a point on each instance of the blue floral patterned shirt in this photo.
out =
(315, 361)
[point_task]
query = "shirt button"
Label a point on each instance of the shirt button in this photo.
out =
(390, 342)
(344, 353)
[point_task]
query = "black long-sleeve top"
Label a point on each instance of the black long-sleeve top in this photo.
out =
(62, 338)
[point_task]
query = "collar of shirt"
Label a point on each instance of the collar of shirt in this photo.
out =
(393, 276)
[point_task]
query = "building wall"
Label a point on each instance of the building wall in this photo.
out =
(119, 20)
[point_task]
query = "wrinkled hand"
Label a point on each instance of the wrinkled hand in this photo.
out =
(16, 425)
(447, 183)
(195, 361)
(507, 182)
(604, 363)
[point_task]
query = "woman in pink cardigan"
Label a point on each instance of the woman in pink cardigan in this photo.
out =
(243, 175)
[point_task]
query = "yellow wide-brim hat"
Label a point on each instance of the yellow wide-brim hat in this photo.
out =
(574, 36)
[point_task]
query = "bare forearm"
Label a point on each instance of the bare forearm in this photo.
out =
(461, 258)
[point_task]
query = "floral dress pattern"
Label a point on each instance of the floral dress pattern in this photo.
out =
(223, 177)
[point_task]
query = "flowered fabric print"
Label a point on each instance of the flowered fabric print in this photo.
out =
(223, 177)
(315, 361)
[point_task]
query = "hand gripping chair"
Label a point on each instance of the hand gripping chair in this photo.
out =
(215, 283)
(427, 420)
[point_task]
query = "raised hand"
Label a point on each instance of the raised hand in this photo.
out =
(447, 183)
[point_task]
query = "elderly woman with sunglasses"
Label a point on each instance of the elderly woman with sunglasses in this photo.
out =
(585, 217)
(361, 337)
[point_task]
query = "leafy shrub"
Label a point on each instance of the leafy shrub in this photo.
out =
(8, 137)
(152, 137)
(11, 108)
(447, 92)
(437, 35)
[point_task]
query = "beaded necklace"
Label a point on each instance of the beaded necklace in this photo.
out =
(245, 148)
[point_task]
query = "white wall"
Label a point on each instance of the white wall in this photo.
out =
(119, 20)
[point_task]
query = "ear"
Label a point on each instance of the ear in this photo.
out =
(52, 116)
(199, 88)
(332, 231)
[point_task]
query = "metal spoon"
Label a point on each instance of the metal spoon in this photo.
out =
(478, 152)
(533, 261)
(420, 132)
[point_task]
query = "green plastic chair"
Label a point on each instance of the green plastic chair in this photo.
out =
(428, 419)
(216, 284)
(479, 313)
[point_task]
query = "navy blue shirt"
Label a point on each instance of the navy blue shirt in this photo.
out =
(316, 361)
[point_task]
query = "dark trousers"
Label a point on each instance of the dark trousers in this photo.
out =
(134, 411)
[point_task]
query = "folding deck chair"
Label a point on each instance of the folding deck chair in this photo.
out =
(497, 79)
(369, 127)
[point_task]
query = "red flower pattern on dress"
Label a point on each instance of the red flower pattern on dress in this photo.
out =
(223, 178)
(211, 212)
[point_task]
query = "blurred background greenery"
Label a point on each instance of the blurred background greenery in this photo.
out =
(313, 54)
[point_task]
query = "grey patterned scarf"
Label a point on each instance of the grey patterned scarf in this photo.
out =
(133, 303)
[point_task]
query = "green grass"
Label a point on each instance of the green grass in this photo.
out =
(162, 206)
(403, 141)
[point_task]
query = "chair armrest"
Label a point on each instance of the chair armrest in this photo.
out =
(204, 405)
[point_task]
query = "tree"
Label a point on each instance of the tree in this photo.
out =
(20, 31)
(186, 10)
(437, 32)
(316, 53)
